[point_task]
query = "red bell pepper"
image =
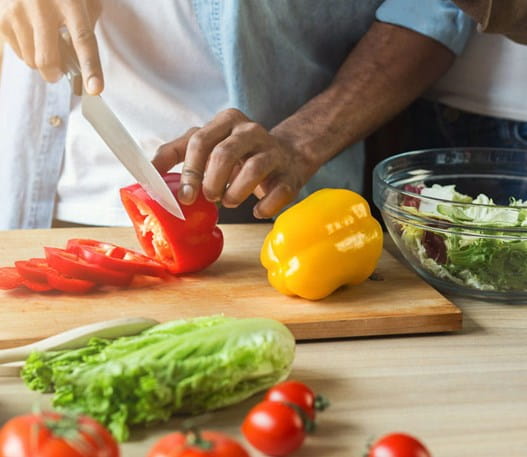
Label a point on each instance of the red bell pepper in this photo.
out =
(70, 264)
(185, 246)
(114, 257)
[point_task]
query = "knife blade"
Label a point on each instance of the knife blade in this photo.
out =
(124, 147)
(114, 134)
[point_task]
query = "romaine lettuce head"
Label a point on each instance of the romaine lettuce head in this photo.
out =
(183, 366)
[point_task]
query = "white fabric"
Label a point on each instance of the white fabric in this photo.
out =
(160, 79)
(489, 79)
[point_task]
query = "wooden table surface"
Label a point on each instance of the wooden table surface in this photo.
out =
(464, 394)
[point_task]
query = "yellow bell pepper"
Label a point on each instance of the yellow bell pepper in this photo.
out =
(325, 241)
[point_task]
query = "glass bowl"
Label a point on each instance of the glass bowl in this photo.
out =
(458, 217)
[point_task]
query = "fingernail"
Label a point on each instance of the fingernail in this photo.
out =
(186, 193)
(93, 85)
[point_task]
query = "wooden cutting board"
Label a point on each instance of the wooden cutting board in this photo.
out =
(236, 285)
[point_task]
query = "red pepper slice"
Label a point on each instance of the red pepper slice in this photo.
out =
(70, 264)
(68, 284)
(33, 269)
(184, 246)
(10, 279)
(115, 257)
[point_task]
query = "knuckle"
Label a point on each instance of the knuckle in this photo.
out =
(191, 174)
(89, 64)
(198, 140)
(232, 114)
(255, 166)
(222, 154)
(253, 128)
(84, 35)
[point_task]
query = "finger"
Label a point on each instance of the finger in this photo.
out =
(252, 173)
(280, 195)
(172, 153)
(199, 148)
(245, 139)
(83, 38)
(47, 54)
(11, 39)
(24, 33)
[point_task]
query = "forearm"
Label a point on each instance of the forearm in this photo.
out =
(387, 70)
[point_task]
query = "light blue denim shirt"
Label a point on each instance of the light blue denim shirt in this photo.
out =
(275, 55)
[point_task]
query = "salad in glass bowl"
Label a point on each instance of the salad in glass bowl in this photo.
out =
(459, 217)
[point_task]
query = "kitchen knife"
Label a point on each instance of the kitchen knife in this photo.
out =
(116, 137)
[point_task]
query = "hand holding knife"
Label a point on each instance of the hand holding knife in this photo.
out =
(115, 135)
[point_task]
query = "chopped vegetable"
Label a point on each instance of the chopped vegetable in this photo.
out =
(70, 264)
(185, 246)
(327, 240)
(183, 366)
(479, 255)
(114, 257)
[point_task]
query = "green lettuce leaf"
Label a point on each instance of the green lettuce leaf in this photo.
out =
(183, 366)
(474, 258)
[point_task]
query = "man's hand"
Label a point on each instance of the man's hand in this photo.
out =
(233, 157)
(31, 27)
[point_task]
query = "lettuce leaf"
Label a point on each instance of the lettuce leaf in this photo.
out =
(182, 366)
(470, 257)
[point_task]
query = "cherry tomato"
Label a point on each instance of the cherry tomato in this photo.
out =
(55, 435)
(299, 394)
(206, 443)
(70, 264)
(274, 428)
(114, 257)
(398, 445)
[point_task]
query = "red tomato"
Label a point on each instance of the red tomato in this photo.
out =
(53, 435)
(274, 428)
(70, 264)
(207, 443)
(299, 394)
(398, 445)
(115, 257)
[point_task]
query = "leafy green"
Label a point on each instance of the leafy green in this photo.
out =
(182, 366)
(483, 253)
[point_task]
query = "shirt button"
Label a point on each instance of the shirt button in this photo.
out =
(55, 121)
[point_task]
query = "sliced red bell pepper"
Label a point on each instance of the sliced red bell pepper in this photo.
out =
(185, 246)
(10, 279)
(68, 284)
(115, 257)
(70, 264)
(33, 269)
(39, 271)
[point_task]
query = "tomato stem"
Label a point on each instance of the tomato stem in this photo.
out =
(309, 424)
(194, 438)
(321, 403)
